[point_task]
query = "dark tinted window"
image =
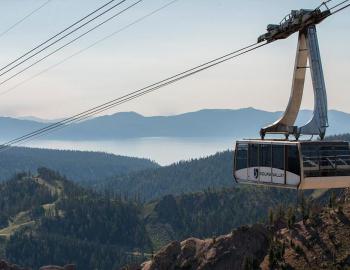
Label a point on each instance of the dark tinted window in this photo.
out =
(253, 155)
(326, 159)
(278, 156)
(311, 158)
(265, 155)
(241, 156)
(292, 158)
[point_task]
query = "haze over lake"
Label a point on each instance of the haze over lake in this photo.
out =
(163, 150)
(164, 139)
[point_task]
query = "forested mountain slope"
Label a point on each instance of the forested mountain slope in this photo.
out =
(217, 212)
(210, 213)
(80, 166)
(46, 219)
(183, 177)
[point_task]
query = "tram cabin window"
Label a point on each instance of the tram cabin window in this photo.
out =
(242, 156)
(292, 159)
(265, 155)
(278, 157)
(253, 155)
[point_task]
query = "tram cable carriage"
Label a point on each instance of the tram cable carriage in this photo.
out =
(293, 164)
(297, 164)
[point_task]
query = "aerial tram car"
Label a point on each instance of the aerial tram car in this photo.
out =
(298, 164)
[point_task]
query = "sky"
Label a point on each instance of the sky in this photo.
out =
(185, 34)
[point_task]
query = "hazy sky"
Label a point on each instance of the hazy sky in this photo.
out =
(187, 33)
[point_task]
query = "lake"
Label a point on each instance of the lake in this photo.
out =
(162, 150)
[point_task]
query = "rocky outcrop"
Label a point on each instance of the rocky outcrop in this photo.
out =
(6, 266)
(321, 241)
(225, 252)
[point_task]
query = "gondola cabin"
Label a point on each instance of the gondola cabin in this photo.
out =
(293, 164)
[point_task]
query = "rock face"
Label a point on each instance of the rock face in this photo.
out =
(225, 252)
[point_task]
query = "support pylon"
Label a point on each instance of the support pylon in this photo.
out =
(308, 49)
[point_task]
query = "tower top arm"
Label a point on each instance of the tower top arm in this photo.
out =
(294, 22)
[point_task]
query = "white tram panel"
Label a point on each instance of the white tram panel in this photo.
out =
(263, 163)
(278, 176)
(297, 164)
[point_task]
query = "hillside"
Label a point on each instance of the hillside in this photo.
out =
(194, 175)
(83, 167)
(143, 175)
(183, 177)
(210, 213)
(307, 237)
(217, 212)
(238, 123)
(46, 219)
(320, 242)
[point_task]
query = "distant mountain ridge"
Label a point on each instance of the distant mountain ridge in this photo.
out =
(204, 123)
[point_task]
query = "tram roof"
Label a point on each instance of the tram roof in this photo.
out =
(286, 142)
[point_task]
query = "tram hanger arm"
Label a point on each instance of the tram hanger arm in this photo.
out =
(296, 21)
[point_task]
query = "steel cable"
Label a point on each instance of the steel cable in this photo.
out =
(134, 94)
(56, 35)
(69, 43)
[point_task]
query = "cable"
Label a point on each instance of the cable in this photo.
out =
(145, 88)
(24, 18)
(134, 94)
(340, 9)
(61, 38)
(336, 6)
(152, 85)
(69, 43)
(101, 40)
(58, 34)
(341, 3)
(89, 47)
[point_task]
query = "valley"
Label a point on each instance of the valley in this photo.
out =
(57, 221)
(125, 219)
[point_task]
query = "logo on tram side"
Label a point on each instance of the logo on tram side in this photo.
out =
(256, 173)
